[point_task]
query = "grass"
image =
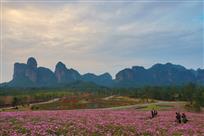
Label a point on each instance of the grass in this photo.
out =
(163, 106)
(88, 102)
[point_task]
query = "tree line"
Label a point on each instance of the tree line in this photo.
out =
(191, 93)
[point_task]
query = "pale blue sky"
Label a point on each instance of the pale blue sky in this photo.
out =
(101, 36)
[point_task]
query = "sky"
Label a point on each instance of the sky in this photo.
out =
(101, 36)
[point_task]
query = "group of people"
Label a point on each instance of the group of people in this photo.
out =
(181, 118)
(153, 113)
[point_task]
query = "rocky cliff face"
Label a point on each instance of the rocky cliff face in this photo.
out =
(60, 72)
(27, 71)
(65, 75)
(125, 75)
(31, 70)
(45, 77)
(104, 79)
(30, 75)
(19, 70)
(158, 74)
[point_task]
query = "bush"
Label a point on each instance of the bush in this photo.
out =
(196, 107)
(34, 107)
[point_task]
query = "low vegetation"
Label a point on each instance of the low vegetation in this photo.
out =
(77, 98)
(99, 123)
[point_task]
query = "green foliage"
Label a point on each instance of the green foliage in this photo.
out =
(189, 91)
(34, 107)
(15, 101)
(196, 107)
(152, 107)
(21, 96)
(1, 101)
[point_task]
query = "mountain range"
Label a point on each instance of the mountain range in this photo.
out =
(30, 75)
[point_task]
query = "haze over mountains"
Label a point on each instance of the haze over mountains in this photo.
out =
(30, 75)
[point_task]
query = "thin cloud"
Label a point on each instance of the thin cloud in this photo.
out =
(102, 37)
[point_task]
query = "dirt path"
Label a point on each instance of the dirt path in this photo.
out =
(136, 106)
(46, 102)
(143, 105)
(38, 103)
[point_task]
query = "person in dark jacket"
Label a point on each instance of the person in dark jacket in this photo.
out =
(153, 113)
(178, 117)
(184, 118)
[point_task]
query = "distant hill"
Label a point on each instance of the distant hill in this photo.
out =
(159, 75)
(30, 75)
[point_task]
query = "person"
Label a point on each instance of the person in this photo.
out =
(184, 118)
(153, 113)
(178, 117)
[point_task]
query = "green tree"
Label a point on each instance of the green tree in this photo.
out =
(189, 91)
(15, 101)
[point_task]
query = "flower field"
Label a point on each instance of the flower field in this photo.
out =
(98, 123)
